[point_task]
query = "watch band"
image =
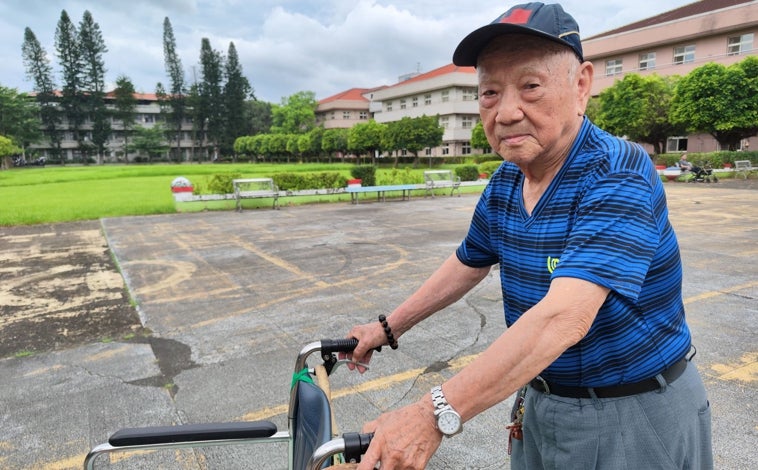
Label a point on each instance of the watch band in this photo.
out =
(448, 420)
(438, 398)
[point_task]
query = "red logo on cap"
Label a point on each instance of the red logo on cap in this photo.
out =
(517, 16)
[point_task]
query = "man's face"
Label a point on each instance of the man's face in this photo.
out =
(531, 102)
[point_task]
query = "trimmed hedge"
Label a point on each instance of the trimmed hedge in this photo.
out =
(467, 172)
(303, 181)
(365, 173)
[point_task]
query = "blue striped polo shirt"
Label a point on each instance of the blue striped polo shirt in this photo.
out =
(603, 219)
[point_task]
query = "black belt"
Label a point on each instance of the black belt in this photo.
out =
(613, 391)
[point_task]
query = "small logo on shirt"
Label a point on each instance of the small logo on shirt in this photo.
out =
(552, 263)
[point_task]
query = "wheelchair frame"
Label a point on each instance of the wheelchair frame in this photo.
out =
(309, 422)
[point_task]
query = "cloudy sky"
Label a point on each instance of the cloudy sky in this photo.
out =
(285, 46)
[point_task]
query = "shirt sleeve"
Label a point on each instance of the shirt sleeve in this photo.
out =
(614, 237)
(476, 249)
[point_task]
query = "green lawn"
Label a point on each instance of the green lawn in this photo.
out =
(63, 194)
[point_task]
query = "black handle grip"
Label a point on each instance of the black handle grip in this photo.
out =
(356, 445)
(329, 346)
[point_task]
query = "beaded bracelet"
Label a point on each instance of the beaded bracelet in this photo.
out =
(388, 331)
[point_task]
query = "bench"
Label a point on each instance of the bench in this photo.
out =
(743, 166)
(247, 188)
(380, 191)
(435, 179)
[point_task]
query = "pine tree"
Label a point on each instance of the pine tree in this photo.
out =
(39, 71)
(92, 47)
(125, 109)
(236, 91)
(177, 102)
(211, 98)
(72, 98)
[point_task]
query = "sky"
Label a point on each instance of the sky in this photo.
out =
(284, 46)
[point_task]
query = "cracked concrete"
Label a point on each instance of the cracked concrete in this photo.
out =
(226, 300)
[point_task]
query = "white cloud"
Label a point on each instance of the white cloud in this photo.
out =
(285, 46)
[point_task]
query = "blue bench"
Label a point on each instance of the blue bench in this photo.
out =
(380, 191)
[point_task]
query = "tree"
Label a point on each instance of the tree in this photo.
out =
(176, 102)
(92, 47)
(639, 108)
(19, 117)
(70, 59)
(261, 119)
(7, 150)
(236, 90)
(296, 114)
(38, 69)
(211, 99)
(125, 109)
(334, 141)
(150, 141)
(413, 135)
(366, 137)
(721, 101)
(479, 138)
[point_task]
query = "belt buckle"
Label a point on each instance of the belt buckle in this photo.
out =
(545, 386)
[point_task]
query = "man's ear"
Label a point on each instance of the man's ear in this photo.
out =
(584, 77)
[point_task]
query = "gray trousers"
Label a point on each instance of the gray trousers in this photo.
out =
(663, 429)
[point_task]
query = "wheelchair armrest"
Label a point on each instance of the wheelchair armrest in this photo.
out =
(192, 432)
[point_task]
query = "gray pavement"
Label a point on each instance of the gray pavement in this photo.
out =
(231, 297)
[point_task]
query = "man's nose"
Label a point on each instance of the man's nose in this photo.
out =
(509, 109)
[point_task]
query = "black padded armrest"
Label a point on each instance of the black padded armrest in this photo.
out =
(192, 432)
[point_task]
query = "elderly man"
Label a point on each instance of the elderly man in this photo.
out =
(596, 346)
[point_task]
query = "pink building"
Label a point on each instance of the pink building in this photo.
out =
(672, 43)
(675, 43)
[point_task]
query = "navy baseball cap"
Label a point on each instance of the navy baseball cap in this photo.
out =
(536, 19)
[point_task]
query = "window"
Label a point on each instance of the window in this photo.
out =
(676, 144)
(445, 122)
(345, 114)
(684, 54)
(428, 99)
(363, 115)
(467, 122)
(613, 67)
(739, 44)
(445, 96)
(402, 103)
(389, 105)
(647, 61)
(469, 94)
(466, 148)
(428, 152)
(414, 102)
(445, 149)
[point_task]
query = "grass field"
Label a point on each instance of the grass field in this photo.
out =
(64, 194)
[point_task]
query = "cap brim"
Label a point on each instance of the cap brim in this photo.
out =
(468, 50)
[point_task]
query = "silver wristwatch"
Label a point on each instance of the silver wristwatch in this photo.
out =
(448, 420)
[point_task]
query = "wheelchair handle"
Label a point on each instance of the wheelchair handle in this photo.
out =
(329, 346)
(352, 445)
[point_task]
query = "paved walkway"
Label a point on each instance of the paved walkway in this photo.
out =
(230, 297)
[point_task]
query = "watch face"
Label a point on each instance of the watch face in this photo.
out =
(449, 422)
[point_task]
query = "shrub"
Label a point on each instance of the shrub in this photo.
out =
(365, 173)
(489, 167)
(222, 183)
(302, 181)
(488, 157)
(467, 172)
(399, 176)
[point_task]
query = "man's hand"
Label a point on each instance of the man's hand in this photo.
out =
(369, 336)
(403, 439)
